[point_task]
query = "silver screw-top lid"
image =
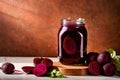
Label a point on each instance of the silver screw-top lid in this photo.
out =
(80, 21)
(73, 21)
(66, 20)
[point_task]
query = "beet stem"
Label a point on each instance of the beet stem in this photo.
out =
(18, 71)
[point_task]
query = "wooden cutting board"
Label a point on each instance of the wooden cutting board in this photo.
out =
(73, 70)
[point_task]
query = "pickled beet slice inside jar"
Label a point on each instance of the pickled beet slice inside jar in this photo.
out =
(69, 45)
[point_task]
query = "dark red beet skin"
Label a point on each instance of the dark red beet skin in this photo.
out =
(69, 45)
(104, 57)
(109, 69)
(47, 62)
(28, 69)
(40, 70)
(8, 68)
(92, 56)
(37, 60)
(94, 68)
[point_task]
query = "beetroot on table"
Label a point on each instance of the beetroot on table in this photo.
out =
(40, 70)
(37, 60)
(28, 69)
(42, 65)
(109, 69)
(94, 68)
(8, 68)
(92, 56)
(104, 57)
(47, 62)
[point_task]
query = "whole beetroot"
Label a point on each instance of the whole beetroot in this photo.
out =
(37, 60)
(8, 68)
(92, 56)
(48, 62)
(104, 57)
(109, 69)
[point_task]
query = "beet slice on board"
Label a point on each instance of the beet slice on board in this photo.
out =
(94, 68)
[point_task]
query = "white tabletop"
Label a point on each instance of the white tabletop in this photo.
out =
(28, 61)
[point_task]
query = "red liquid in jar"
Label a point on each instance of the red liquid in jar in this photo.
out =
(72, 41)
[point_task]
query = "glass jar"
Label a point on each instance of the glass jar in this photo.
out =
(72, 41)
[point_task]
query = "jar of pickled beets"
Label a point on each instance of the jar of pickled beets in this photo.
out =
(72, 41)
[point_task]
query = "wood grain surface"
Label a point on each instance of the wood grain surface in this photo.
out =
(73, 70)
(30, 27)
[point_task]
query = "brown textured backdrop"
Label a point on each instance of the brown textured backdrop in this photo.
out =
(30, 27)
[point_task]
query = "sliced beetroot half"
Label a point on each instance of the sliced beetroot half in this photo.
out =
(47, 62)
(28, 69)
(37, 60)
(94, 68)
(40, 70)
(69, 45)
